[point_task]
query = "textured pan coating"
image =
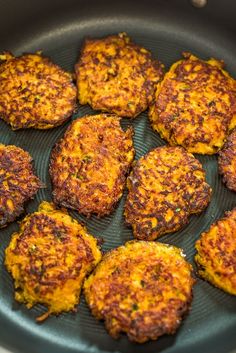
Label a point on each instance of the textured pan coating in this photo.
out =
(142, 289)
(18, 183)
(165, 187)
(90, 163)
(34, 92)
(49, 258)
(117, 76)
(216, 251)
(195, 105)
(227, 161)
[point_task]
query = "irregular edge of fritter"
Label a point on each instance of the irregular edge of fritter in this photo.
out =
(156, 63)
(219, 64)
(185, 220)
(44, 124)
(225, 157)
(181, 314)
(202, 270)
(56, 150)
(21, 209)
(17, 235)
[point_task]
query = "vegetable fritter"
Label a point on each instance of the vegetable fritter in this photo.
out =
(216, 251)
(90, 163)
(165, 187)
(117, 76)
(227, 161)
(142, 289)
(34, 92)
(18, 183)
(49, 258)
(195, 105)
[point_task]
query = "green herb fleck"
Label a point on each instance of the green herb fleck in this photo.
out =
(32, 249)
(142, 283)
(87, 158)
(37, 99)
(177, 209)
(37, 289)
(59, 233)
(175, 116)
(80, 177)
(116, 270)
(186, 87)
(77, 176)
(211, 103)
(135, 307)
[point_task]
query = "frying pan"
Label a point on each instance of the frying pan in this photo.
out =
(166, 27)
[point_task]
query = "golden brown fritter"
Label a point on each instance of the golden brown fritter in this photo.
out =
(227, 161)
(34, 92)
(18, 183)
(216, 253)
(141, 288)
(195, 105)
(165, 187)
(90, 163)
(49, 258)
(117, 76)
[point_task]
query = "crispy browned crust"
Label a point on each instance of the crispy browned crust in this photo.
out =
(18, 183)
(90, 163)
(49, 258)
(216, 253)
(117, 76)
(227, 162)
(142, 289)
(165, 187)
(34, 92)
(195, 105)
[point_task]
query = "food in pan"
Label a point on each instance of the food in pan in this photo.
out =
(165, 187)
(90, 163)
(195, 105)
(117, 76)
(142, 289)
(216, 251)
(49, 258)
(18, 183)
(34, 92)
(227, 161)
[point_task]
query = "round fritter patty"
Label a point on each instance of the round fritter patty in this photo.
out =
(165, 187)
(216, 253)
(34, 92)
(18, 183)
(195, 105)
(142, 289)
(117, 76)
(90, 163)
(49, 258)
(227, 161)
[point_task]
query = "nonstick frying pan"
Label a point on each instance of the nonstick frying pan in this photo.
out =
(166, 27)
